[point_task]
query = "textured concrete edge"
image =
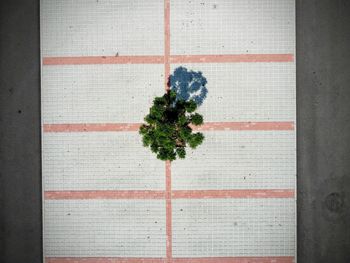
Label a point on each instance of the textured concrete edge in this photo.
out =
(323, 130)
(20, 140)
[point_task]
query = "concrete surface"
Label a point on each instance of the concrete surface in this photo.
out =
(323, 77)
(323, 120)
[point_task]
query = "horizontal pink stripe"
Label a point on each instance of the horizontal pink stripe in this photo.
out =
(105, 194)
(251, 193)
(174, 260)
(91, 127)
(232, 58)
(103, 60)
(172, 59)
(102, 260)
(210, 126)
(177, 194)
(235, 260)
(245, 126)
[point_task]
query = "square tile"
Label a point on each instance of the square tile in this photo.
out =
(105, 228)
(232, 27)
(99, 161)
(233, 227)
(102, 27)
(238, 160)
(99, 93)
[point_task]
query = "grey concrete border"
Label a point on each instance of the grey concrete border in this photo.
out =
(323, 130)
(323, 110)
(20, 143)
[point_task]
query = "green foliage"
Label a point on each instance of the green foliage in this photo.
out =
(196, 119)
(167, 130)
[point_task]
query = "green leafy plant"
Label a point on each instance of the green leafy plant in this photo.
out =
(168, 126)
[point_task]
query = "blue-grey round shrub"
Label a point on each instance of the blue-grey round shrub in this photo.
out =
(188, 85)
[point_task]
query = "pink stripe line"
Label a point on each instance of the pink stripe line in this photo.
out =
(168, 194)
(235, 260)
(169, 246)
(245, 126)
(231, 58)
(105, 194)
(210, 126)
(244, 193)
(168, 211)
(102, 260)
(166, 42)
(167, 58)
(285, 259)
(103, 60)
(91, 127)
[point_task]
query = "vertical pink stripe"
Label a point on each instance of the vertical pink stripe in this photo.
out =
(168, 212)
(167, 163)
(166, 42)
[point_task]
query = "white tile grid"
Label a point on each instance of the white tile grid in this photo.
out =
(102, 27)
(233, 227)
(232, 27)
(103, 228)
(247, 91)
(99, 161)
(238, 160)
(129, 228)
(99, 93)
